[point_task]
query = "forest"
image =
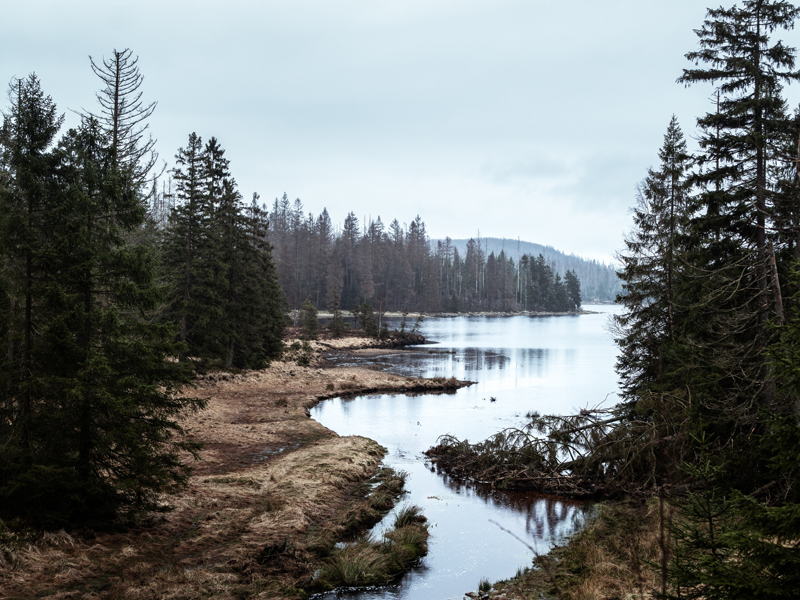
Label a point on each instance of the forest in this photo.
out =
(121, 279)
(116, 285)
(398, 267)
(107, 314)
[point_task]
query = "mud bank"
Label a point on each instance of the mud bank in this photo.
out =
(273, 491)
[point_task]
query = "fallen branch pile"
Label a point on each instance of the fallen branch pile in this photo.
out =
(589, 454)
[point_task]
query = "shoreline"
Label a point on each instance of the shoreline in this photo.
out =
(412, 316)
(270, 477)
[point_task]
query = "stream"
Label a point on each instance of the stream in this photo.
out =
(521, 364)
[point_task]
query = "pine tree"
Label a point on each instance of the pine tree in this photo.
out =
(91, 406)
(309, 320)
(650, 266)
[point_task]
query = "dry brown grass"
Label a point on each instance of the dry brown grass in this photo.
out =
(614, 557)
(273, 492)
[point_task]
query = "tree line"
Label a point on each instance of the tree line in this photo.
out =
(599, 281)
(396, 267)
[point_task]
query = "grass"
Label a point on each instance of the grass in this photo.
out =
(360, 563)
(408, 515)
(612, 557)
(449, 382)
(484, 585)
(368, 561)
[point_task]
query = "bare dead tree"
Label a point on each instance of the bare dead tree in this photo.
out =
(124, 115)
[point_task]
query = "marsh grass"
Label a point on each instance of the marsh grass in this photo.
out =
(408, 515)
(614, 556)
(358, 564)
(370, 561)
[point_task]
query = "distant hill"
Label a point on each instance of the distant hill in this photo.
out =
(599, 281)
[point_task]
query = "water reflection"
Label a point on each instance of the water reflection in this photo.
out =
(551, 365)
(546, 517)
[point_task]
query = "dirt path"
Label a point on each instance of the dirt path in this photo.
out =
(272, 491)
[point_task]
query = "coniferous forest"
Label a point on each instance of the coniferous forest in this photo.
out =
(397, 267)
(709, 342)
(120, 278)
(117, 280)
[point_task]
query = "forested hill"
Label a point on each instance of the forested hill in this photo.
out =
(598, 281)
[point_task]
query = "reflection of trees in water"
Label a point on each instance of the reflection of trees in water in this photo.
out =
(547, 518)
(532, 359)
(458, 362)
(478, 359)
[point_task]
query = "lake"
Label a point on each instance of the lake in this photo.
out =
(545, 364)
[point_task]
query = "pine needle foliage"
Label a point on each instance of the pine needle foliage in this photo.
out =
(217, 261)
(89, 399)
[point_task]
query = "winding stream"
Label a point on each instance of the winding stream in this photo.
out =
(550, 365)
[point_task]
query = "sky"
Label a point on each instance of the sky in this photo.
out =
(505, 118)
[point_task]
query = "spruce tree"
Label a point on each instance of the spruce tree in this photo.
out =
(123, 115)
(309, 320)
(573, 285)
(736, 533)
(218, 263)
(650, 266)
(252, 317)
(336, 324)
(186, 252)
(730, 290)
(271, 308)
(91, 402)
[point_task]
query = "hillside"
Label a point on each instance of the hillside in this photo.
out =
(598, 281)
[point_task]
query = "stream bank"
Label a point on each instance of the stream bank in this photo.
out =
(273, 491)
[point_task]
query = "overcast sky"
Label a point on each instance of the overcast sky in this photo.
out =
(519, 118)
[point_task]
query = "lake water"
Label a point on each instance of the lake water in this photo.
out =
(545, 364)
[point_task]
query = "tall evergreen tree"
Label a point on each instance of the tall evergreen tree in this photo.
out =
(186, 250)
(91, 408)
(123, 114)
(730, 290)
(650, 266)
(573, 285)
(224, 290)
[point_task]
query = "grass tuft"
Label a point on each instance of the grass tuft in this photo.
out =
(368, 561)
(360, 563)
(409, 515)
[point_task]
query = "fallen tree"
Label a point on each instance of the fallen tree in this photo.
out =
(596, 452)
